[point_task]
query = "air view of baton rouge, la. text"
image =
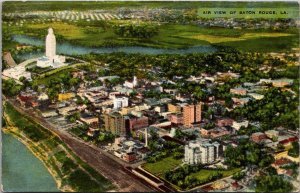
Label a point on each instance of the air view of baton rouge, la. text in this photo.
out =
(149, 97)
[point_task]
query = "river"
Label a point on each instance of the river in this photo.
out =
(21, 170)
(70, 49)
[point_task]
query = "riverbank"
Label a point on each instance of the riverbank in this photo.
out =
(14, 177)
(69, 171)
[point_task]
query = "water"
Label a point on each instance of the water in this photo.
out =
(21, 170)
(69, 49)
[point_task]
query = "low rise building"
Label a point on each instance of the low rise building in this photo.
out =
(65, 96)
(272, 134)
(238, 91)
(258, 137)
(176, 118)
(133, 123)
(238, 124)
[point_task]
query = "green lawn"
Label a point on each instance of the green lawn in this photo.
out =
(160, 167)
(205, 173)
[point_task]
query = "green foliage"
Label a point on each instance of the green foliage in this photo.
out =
(106, 137)
(272, 183)
(239, 175)
(136, 31)
(247, 153)
(182, 176)
(294, 151)
(82, 182)
(10, 87)
(275, 102)
(73, 117)
(32, 130)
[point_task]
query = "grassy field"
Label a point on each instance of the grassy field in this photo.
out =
(205, 173)
(69, 171)
(169, 36)
(160, 167)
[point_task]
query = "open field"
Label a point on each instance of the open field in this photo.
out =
(99, 34)
(205, 173)
(160, 167)
(70, 173)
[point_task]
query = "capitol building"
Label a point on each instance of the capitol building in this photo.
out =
(51, 59)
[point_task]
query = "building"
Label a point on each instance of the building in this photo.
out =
(238, 91)
(201, 151)
(132, 84)
(129, 157)
(258, 137)
(237, 125)
(221, 122)
(272, 134)
(176, 118)
(114, 123)
(65, 96)
(215, 132)
(51, 59)
(120, 102)
(17, 72)
(91, 121)
(133, 123)
(191, 114)
(174, 108)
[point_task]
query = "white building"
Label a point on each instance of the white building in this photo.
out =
(51, 59)
(132, 84)
(17, 72)
(201, 151)
(237, 125)
(120, 102)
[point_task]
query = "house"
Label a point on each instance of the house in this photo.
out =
(65, 96)
(272, 134)
(256, 96)
(258, 137)
(129, 157)
(238, 91)
(176, 118)
(238, 124)
(221, 122)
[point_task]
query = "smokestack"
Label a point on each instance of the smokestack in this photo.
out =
(146, 137)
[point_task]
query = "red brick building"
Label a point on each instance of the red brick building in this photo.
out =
(258, 137)
(133, 123)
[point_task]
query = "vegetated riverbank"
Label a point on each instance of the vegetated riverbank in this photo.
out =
(69, 171)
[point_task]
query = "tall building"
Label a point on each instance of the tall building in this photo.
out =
(50, 44)
(51, 59)
(201, 151)
(191, 114)
(114, 122)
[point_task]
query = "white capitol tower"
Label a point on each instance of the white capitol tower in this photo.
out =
(51, 59)
(50, 44)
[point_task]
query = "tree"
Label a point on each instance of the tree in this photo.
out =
(272, 183)
(73, 117)
(294, 151)
(10, 87)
